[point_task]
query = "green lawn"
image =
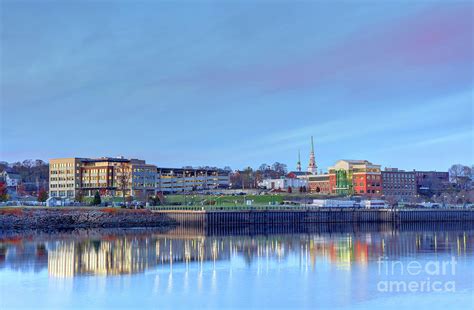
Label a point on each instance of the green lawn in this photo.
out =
(222, 200)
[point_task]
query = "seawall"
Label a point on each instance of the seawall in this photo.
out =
(81, 217)
(301, 217)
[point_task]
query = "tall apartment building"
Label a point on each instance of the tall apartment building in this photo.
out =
(110, 176)
(355, 177)
(399, 184)
(64, 177)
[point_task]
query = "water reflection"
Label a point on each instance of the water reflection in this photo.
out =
(110, 252)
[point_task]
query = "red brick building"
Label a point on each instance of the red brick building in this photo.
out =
(319, 184)
(355, 177)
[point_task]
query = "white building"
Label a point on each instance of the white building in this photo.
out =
(176, 180)
(12, 179)
(283, 183)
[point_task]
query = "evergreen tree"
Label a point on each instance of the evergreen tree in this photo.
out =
(97, 201)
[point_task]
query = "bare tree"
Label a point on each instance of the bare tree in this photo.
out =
(460, 175)
(123, 179)
(280, 168)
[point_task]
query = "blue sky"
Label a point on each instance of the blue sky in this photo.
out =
(239, 83)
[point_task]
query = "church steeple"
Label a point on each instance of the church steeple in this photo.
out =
(312, 167)
(298, 164)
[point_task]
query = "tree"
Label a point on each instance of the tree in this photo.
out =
(236, 179)
(79, 196)
(123, 179)
(97, 201)
(460, 175)
(3, 192)
(391, 201)
(42, 195)
(279, 168)
(20, 189)
(264, 167)
(247, 178)
(154, 200)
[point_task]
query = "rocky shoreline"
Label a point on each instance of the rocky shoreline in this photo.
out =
(13, 218)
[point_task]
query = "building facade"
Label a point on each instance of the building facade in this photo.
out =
(177, 180)
(65, 177)
(319, 184)
(399, 184)
(70, 177)
(355, 177)
(431, 182)
(10, 178)
(284, 184)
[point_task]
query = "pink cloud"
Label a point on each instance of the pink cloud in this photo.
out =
(432, 37)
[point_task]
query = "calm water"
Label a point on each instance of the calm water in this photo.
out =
(324, 267)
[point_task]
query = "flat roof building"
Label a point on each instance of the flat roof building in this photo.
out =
(399, 184)
(176, 180)
(355, 177)
(110, 176)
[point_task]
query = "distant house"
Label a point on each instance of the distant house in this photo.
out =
(283, 183)
(11, 178)
(298, 174)
(57, 202)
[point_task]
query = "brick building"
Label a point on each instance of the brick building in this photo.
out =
(319, 184)
(399, 184)
(355, 177)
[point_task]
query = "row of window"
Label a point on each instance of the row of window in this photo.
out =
(62, 165)
(62, 193)
(369, 191)
(53, 179)
(62, 185)
(400, 186)
(62, 172)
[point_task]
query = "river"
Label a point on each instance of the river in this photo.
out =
(314, 267)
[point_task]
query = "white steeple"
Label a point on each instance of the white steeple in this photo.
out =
(298, 164)
(312, 167)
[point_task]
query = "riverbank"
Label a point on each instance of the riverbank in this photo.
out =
(80, 217)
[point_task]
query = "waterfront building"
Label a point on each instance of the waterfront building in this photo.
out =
(176, 180)
(399, 184)
(319, 184)
(69, 177)
(431, 182)
(284, 183)
(355, 177)
(65, 177)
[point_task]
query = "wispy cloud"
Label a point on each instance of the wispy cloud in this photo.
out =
(435, 36)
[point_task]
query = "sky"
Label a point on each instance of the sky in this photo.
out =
(238, 83)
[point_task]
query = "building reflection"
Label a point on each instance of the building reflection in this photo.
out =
(100, 257)
(136, 252)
